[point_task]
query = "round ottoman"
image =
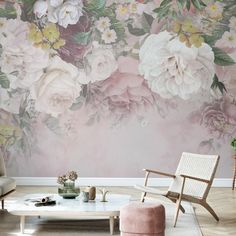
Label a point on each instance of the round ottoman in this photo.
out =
(144, 219)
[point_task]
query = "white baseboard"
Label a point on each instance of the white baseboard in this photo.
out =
(155, 182)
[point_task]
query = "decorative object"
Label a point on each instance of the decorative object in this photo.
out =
(92, 192)
(103, 192)
(41, 201)
(85, 196)
(151, 220)
(67, 189)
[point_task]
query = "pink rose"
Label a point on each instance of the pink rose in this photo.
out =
(122, 94)
(219, 117)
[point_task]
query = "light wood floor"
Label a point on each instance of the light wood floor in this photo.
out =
(222, 200)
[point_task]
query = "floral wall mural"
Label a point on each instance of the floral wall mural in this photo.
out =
(89, 84)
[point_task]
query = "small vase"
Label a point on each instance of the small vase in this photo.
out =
(92, 192)
(68, 190)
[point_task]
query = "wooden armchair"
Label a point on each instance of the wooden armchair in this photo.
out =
(7, 185)
(192, 181)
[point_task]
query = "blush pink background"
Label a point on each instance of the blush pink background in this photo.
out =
(122, 151)
(105, 150)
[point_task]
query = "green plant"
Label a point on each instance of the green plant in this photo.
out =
(233, 144)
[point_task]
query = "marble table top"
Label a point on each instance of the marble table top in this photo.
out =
(69, 207)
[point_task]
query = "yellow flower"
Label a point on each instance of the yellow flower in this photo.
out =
(45, 45)
(58, 44)
(123, 9)
(47, 37)
(35, 35)
(196, 40)
(176, 26)
(183, 38)
(8, 134)
(189, 27)
(51, 33)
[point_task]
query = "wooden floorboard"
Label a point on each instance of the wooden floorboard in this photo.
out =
(222, 200)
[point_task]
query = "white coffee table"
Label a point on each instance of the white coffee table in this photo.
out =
(70, 208)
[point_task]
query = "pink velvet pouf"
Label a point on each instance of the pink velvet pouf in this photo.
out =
(144, 219)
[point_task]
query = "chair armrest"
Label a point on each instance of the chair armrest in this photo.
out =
(195, 178)
(159, 173)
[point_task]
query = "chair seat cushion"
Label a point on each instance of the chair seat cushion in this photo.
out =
(6, 185)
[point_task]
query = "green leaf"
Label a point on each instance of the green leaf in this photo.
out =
(148, 18)
(53, 124)
(181, 2)
(120, 30)
(9, 12)
(165, 2)
(179, 6)
(216, 84)
(157, 10)
(136, 31)
(197, 4)
(4, 82)
(108, 12)
(188, 5)
(24, 146)
(202, 3)
(164, 13)
(82, 37)
(147, 21)
(95, 5)
(78, 104)
(209, 39)
(222, 58)
(27, 10)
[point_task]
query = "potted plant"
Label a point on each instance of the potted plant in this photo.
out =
(67, 182)
(233, 144)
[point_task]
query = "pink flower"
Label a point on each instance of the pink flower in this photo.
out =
(123, 94)
(219, 117)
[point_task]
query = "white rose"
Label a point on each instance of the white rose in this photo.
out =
(40, 8)
(173, 69)
(101, 63)
(55, 3)
(10, 103)
(20, 60)
(57, 89)
(23, 65)
(66, 13)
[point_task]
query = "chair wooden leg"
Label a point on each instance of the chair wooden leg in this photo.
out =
(207, 207)
(143, 196)
(177, 211)
(180, 207)
(179, 202)
(2, 204)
